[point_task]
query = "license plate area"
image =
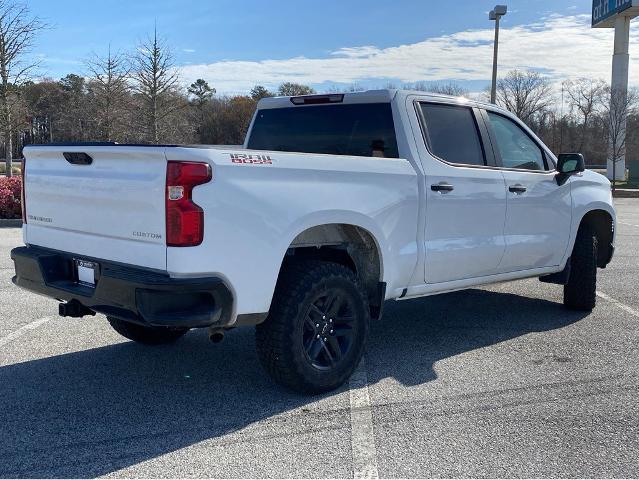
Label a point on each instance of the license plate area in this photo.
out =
(86, 272)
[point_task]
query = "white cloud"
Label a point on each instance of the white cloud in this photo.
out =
(356, 52)
(559, 46)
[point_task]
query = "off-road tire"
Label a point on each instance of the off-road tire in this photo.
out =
(146, 335)
(580, 293)
(281, 345)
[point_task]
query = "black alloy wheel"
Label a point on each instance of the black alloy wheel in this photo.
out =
(329, 329)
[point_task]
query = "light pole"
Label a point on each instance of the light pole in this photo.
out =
(496, 14)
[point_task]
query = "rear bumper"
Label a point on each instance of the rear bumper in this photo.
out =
(135, 294)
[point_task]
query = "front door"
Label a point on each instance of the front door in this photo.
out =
(538, 213)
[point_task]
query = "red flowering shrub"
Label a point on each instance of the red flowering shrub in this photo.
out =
(10, 197)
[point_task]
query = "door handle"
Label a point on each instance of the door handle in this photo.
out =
(442, 187)
(78, 158)
(518, 189)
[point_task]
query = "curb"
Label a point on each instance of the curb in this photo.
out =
(625, 193)
(10, 223)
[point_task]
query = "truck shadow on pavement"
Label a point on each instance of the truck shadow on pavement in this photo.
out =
(405, 348)
(93, 412)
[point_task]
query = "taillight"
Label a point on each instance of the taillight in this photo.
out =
(23, 195)
(184, 218)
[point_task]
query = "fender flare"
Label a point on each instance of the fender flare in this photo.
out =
(578, 219)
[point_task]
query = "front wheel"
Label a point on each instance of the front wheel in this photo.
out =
(315, 333)
(144, 334)
(580, 293)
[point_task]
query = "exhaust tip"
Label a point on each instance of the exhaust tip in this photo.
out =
(216, 336)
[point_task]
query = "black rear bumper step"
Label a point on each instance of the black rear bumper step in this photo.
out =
(135, 294)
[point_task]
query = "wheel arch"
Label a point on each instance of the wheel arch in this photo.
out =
(602, 222)
(349, 244)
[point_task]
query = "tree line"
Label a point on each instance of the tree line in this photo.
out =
(146, 106)
(139, 97)
(580, 115)
(131, 98)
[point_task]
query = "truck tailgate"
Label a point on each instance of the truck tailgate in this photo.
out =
(112, 208)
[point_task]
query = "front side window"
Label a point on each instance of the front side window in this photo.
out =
(516, 148)
(452, 134)
(365, 130)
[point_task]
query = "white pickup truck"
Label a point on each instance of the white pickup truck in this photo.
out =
(335, 204)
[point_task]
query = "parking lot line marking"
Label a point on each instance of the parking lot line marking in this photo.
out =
(362, 434)
(629, 224)
(23, 330)
(619, 304)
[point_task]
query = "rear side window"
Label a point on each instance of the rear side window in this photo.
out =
(365, 130)
(452, 134)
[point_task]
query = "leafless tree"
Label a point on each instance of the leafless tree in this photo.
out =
(109, 90)
(584, 97)
(156, 83)
(526, 94)
(352, 88)
(449, 88)
(18, 29)
(617, 106)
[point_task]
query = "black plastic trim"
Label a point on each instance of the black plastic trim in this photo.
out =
(377, 304)
(135, 294)
(558, 278)
(487, 142)
(250, 319)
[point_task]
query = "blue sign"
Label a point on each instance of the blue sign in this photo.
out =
(603, 10)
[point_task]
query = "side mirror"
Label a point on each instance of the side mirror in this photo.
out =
(569, 164)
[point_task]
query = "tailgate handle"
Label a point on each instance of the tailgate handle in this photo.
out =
(78, 158)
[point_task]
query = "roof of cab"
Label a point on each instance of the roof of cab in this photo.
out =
(370, 96)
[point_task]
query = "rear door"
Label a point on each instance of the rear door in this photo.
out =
(539, 212)
(465, 195)
(105, 202)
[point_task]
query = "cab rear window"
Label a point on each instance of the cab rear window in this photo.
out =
(365, 130)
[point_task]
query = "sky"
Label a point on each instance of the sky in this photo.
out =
(236, 44)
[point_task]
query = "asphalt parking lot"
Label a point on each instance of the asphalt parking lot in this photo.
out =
(491, 382)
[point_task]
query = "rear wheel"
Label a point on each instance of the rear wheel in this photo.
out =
(314, 336)
(146, 335)
(580, 293)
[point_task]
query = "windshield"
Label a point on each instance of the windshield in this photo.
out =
(346, 129)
